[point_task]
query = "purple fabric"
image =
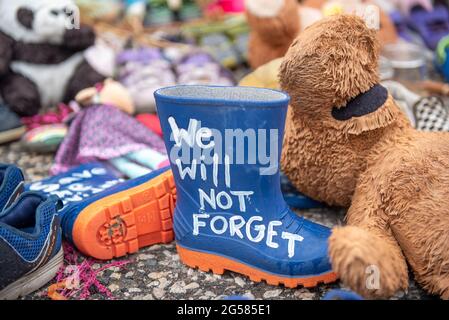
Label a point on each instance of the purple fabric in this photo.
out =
(197, 58)
(143, 55)
(201, 68)
(101, 133)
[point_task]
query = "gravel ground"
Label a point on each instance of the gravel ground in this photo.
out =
(157, 273)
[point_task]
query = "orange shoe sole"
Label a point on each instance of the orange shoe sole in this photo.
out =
(126, 221)
(208, 262)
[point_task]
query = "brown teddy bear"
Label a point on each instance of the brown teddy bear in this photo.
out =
(276, 23)
(348, 144)
(274, 26)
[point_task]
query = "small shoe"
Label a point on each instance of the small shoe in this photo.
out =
(202, 68)
(11, 185)
(143, 71)
(120, 220)
(189, 11)
(431, 114)
(30, 245)
(441, 61)
(221, 48)
(342, 295)
(45, 139)
(11, 128)
(158, 14)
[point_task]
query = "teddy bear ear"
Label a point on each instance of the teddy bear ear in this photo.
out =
(264, 8)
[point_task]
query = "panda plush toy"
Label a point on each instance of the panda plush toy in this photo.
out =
(42, 54)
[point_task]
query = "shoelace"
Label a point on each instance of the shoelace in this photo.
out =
(77, 279)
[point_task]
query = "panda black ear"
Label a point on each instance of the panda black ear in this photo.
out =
(26, 17)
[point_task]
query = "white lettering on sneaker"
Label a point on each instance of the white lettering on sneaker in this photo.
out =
(77, 186)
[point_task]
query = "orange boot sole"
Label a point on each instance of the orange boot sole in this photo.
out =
(208, 262)
(126, 221)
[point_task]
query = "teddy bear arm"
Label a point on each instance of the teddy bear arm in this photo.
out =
(79, 39)
(6, 53)
(20, 94)
(365, 253)
(417, 201)
(84, 77)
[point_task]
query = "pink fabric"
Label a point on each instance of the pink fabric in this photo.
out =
(101, 133)
(228, 6)
(49, 118)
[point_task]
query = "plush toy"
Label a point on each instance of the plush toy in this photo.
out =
(41, 54)
(110, 93)
(274, 25)
(265, 76)
(348, 144)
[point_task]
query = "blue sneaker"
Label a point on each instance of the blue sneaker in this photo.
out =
(30, 245)
(341, 295)
(11, 128)
(107, 218)
(225, 144)
(11, 185)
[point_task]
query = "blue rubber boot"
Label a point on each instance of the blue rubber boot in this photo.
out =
(224, 145)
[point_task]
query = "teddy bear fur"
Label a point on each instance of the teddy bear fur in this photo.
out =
(271, 36)
(393, 178)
